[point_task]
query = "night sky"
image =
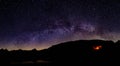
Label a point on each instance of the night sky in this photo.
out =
(28, 24)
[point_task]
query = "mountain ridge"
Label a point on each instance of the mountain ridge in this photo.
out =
(73, 52)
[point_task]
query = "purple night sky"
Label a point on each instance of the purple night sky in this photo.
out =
(28, 24)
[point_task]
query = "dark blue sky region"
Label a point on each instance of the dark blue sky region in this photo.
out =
(28, 24)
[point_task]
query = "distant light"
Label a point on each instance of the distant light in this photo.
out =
(97, 47)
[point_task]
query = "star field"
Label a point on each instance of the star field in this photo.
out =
(28, 24)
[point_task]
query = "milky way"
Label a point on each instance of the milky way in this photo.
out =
(28, 24)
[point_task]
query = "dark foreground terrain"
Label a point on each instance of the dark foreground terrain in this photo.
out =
(82, 52)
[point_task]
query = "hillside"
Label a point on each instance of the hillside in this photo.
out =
(90, 52)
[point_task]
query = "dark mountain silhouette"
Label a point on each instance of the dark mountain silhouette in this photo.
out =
(83, 52)
(87, 52)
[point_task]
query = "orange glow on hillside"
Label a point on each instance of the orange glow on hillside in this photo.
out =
(97, 47)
